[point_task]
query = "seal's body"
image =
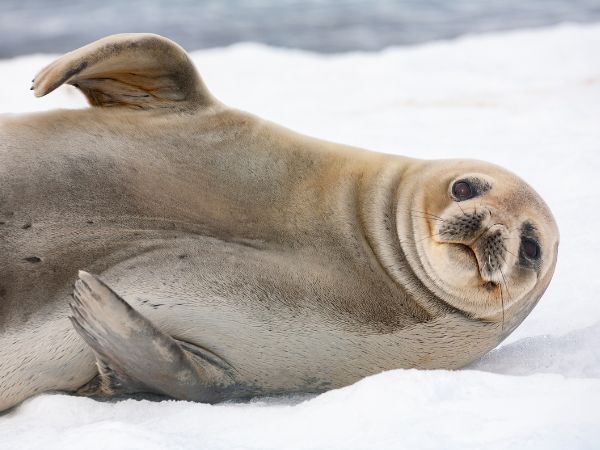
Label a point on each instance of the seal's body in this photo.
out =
(236, 257)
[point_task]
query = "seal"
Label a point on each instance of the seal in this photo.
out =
(233, 257)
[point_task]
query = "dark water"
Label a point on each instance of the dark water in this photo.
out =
(29, 26)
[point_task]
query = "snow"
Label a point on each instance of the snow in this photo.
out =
(527, 100)
(397, 409)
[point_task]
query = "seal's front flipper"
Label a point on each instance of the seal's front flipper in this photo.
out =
(136, 70)
(135, 356)
(109, 382)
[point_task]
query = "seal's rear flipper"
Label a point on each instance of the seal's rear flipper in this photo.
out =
(136, 70)
(135, 356)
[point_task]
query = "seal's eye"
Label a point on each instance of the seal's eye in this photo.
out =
(463, 190)
(530, 248)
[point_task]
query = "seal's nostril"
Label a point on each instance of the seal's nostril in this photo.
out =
(490, 285)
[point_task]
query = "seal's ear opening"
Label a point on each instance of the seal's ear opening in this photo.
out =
(140, 71)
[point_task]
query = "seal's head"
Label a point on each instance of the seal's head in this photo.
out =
(480, 238)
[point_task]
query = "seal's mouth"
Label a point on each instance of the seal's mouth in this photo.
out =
(464, 250)
(469, 253)
(474, 234)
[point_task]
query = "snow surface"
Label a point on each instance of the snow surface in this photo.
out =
(527, 100)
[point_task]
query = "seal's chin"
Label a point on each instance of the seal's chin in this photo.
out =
(458, 264)
(455, 273)
(464, 255)
(460, 254)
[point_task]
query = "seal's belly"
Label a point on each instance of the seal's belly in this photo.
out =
(280, 319)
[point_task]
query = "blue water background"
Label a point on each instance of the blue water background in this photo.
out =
(31, 26)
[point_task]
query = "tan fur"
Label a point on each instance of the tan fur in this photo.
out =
(299, 262)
